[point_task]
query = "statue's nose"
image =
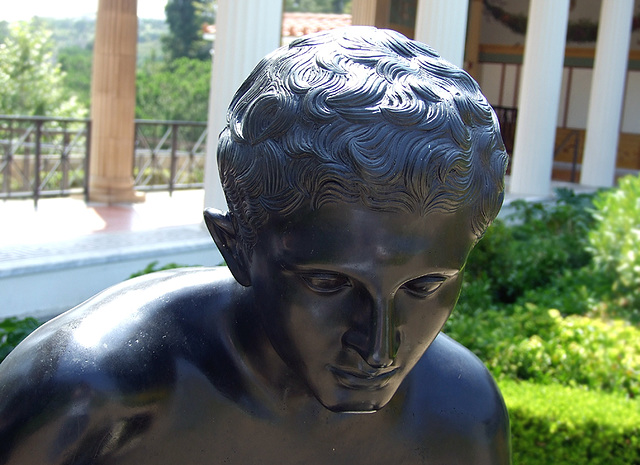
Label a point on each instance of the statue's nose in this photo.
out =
(376, 341)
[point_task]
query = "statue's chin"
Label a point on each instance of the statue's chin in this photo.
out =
(355, 407)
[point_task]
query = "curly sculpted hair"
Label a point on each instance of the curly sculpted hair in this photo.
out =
(360, 115)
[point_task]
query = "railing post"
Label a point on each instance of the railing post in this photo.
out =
(134, 160)
(174, 143)
(36, 184)
(574, 164)
(8, 159)
(64, 160)
(87, 160)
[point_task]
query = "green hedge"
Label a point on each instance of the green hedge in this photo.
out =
(535, 344)
(615, 240)
(12, 331)
(561, 425)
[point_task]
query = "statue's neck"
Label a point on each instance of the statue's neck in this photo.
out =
(268, 380)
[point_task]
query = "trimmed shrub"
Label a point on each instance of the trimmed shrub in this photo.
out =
(533, 246)
(12, 331)
(531, 343)
(561, 425)
(615, 240)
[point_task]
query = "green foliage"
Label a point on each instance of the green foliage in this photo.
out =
(76, 63)
(150, 32)
(12, 331)
(562, 425)
(615, 240)
(70, 44)
(31, 83)
(540, 258)
(533, 246)
(4, 30)
(71, 32)
(318, 6)
(153, 267)
(175, 91)
(79, 33)
(185, 19)
(532, 343)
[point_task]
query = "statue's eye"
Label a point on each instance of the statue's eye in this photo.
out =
(424, 286)
(325, 281)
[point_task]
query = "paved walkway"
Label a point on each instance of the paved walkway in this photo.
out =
(67, 226)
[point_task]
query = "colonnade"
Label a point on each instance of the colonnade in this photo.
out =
(249, 29)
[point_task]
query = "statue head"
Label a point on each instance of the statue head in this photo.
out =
(360, 169)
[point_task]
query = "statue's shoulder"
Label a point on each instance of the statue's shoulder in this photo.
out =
(121, 351)
(451, 389)
(128, 322)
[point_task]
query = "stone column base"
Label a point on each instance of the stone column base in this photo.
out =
(108, 190)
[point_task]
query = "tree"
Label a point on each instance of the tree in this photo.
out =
(185, 19)
(76, 63)
(31, 82)
(318, 6)
(175, 91)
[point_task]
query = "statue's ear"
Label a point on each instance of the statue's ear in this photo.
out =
(228, 241)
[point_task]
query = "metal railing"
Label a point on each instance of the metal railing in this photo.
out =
(42, 156)
(507, 117)
(170, 155)
(570, 141)
(49, 157)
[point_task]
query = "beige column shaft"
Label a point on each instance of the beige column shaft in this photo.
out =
(246, 31)
(607, 93)
(472, 50)
(370, 13)
(363, 12)
(539, 97)
(442, 24)
(113, 100)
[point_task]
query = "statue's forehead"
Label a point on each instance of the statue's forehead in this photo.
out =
(342, 232)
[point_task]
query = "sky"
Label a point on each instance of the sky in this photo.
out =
(13, 10)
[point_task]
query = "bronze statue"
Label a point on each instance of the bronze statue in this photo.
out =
(359, 169)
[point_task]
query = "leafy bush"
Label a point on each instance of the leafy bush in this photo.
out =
(562, 425)
(12, 331)
(532, 343)
(176, 90)
(615, 240)
(533, 246)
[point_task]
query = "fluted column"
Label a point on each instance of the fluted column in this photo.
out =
(363, 12)
(539, 97)
(442, 24)
(472, 49)
(113, 101)
(246, 31)
(607, 93)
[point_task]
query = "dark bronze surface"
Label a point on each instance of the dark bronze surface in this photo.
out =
(360, 170)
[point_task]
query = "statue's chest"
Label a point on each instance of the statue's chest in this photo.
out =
(246, 441)
(216, 432)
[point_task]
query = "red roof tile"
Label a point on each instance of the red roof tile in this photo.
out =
(299, 24)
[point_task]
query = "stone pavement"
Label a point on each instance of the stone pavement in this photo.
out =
(68, 226)
(56, 256)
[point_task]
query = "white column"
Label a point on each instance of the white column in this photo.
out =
(539, 97)
(607, 93)
(442, 24)
(246, 31)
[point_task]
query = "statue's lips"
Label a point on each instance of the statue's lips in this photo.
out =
(366, 380)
